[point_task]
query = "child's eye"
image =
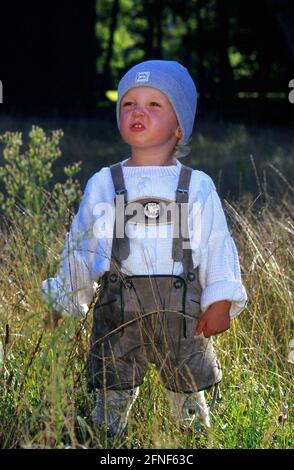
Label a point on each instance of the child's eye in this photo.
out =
(127, 103)
(154, 103)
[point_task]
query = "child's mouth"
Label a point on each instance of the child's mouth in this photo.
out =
(137, 127)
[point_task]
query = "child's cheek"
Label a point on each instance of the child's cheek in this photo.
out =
(123, 120)
(124, 126)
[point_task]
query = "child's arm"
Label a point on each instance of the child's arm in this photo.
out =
(215, 320)
(84, 259)
(223, 294)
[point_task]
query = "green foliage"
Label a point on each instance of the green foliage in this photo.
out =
(214, 41)
(26, 177)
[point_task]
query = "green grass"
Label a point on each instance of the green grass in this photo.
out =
(43, 395)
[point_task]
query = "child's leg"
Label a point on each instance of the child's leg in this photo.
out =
(112, 409)
(189, 407)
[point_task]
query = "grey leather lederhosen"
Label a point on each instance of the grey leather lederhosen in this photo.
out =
(142, 319)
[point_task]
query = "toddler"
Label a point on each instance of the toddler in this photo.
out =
(152, 233)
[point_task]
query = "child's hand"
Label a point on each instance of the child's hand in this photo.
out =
(215, 320)
(52, 319)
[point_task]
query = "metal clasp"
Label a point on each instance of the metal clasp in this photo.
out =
(120, 191)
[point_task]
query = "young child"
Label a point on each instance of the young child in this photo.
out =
(153, 233)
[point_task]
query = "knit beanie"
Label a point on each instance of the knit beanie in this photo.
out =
(172, 79)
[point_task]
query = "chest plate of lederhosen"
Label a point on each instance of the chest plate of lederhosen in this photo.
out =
(151, 211)
(147, 295)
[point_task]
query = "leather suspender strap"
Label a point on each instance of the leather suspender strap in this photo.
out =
(120, 243)
(181, 243)
(118, 179)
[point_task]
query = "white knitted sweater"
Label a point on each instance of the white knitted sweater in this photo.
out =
(86, 254)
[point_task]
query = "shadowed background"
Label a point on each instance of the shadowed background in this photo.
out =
(60, 63)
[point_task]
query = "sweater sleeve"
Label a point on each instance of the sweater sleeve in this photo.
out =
(219, 269)
(83, 261)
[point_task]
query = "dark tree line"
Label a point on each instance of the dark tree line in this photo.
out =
(48, 55)
(64, 55)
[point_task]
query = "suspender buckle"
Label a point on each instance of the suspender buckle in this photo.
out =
(182, 191)
(120, 191)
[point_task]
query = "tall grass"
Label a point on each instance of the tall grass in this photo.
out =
(43, 394)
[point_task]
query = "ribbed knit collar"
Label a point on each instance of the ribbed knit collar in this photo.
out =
(151, 170)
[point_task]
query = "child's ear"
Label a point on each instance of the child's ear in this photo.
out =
(178, 132)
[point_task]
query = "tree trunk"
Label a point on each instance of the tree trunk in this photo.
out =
(224, 68)
(149, 32)
(107, 82)
(158, 13)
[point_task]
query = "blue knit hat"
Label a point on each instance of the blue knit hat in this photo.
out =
(172, 79)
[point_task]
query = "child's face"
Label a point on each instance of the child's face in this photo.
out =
(148, 120)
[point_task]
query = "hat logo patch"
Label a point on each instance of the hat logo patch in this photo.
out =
(142, 77)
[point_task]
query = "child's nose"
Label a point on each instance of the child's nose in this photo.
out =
(139, 111)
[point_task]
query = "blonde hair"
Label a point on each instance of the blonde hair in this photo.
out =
(182, 150)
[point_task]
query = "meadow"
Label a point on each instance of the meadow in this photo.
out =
(44, 401)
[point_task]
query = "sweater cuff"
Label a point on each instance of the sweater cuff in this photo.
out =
(233, 291)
